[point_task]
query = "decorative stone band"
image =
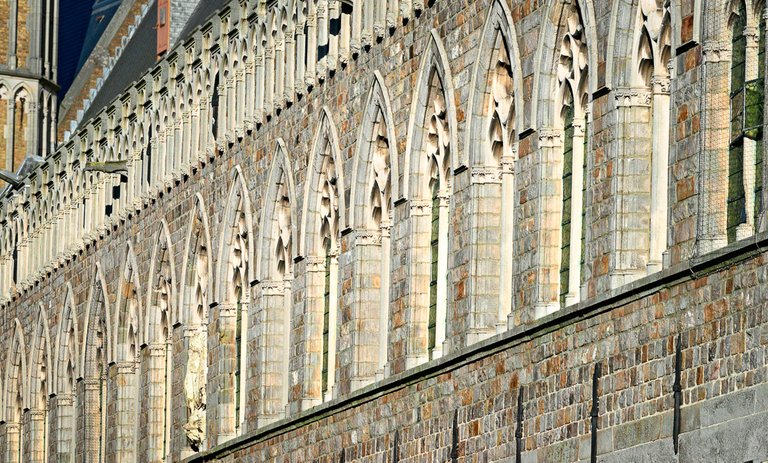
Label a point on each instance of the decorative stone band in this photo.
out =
(717, 51)
(65, 400)
(368, 237)
(420, 207)
(272, 287)
(550, 137)
(486, 174)
(752, 34)
(36, 415)
(633, 97)
(91, 384)
(126, 368)
(156, 349)
(12, 428)
(508, 162)
(315, 264)
(661, 84)
(227, 309)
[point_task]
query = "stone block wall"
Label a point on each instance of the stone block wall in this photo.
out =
(427, 80)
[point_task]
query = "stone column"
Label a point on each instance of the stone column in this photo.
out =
(126, 380)
(322, 37)
(633, 189)
(36, 446)
(279, 95)
(62, 406)
(240, 99)
(269, 81)
(417, 317)
(659, 172)
(366, 332)
(355, 44)
(91, 426)
(299, 84)
(312, 362)
(367, 32)
(13, 443)
(309, 75)
(713, 164)
(258, 105)
(248, 96)
(548, 168)
(441, 317)
(221, 390)
(290, 64)
(334, 15)
(273, 351)
(155, 402)
(487, 293)
(228, 110)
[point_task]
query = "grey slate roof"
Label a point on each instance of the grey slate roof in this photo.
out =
(139, 55)
(203, 11)
(136, 59)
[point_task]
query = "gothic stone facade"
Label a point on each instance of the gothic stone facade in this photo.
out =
(393, 231)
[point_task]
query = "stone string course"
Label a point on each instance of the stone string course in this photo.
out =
(230, 147)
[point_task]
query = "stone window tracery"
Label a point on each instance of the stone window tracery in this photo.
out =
(238, 285)
(329, 229)
(438, 152)
(94, 416)
(572, 75)
(196, 334)
(745, 154)
(653, 66)
(157, 401)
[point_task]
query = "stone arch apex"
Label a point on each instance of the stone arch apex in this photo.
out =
(377, 100)
(435, 60)
(326, 133)
(238, 186)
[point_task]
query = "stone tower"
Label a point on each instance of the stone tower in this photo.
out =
(28, 50)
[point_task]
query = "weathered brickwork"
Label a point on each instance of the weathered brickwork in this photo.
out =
(275, 255)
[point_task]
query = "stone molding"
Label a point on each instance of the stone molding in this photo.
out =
(633, 97)
(368, 237)
(716, 52)
(485, 175)
(550, 137)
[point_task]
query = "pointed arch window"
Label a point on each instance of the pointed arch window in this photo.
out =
(329, 232)
(438, 152)
(745, 157)
(653, 55)
(573, 78)
(157, 401)
(196, 284)
(238, 262)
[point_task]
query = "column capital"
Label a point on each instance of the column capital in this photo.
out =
(717, 51)
(272, 287)
(661, 84)
(485, 174)
(633, 97)
(368, 237)
(420, 207)
(550, 137)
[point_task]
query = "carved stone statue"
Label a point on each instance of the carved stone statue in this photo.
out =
(194, 391)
